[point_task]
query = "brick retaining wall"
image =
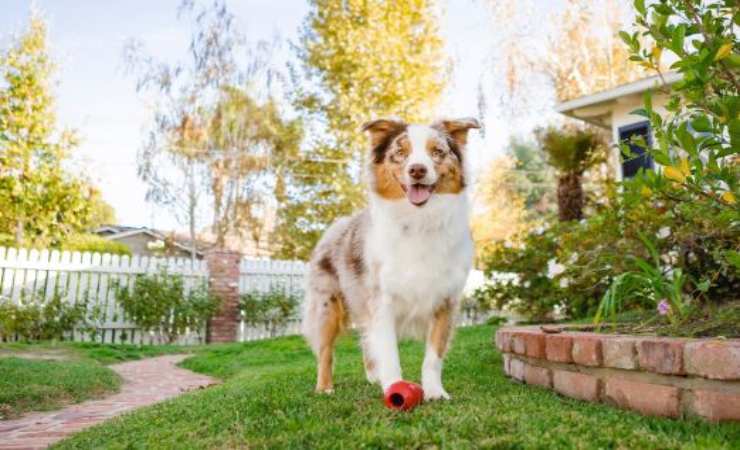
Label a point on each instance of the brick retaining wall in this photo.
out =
(671, 377)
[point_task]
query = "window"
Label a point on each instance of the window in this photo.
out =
(631, 165)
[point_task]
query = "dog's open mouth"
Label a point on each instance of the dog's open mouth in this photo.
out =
(418, 193)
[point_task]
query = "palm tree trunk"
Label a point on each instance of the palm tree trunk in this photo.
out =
(570, 197)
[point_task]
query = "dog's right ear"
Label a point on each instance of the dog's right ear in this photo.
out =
(381, 129)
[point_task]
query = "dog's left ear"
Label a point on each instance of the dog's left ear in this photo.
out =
(457, 129)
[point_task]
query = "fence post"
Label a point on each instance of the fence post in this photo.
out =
(223, 282)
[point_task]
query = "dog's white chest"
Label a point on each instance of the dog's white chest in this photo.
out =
(422, 259)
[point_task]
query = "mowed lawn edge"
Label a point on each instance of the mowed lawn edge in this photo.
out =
(267, 401)
(46, 376)
(40, 385)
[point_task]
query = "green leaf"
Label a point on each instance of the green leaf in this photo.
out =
(701, 124)
(733, 257)
(688, 143)
(704, 285)
(734, 129)
(677, 40)
(661, 157)
(626, 38)
(640, 112)
(640, 7)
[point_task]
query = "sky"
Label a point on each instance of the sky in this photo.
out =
(98, 99)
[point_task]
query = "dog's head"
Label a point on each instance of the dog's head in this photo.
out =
(415, 162)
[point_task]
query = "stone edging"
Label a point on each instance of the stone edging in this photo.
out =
(671, 377)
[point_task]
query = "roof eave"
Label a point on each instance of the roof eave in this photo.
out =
(635, 87)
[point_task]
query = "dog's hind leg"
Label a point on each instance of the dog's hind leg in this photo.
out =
(323, 321)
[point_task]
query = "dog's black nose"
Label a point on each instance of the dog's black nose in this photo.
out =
(417, 171)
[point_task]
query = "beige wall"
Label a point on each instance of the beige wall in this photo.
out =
(137, 243)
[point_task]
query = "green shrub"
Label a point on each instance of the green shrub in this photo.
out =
(36, 318)
(667, 241)
(159, 303)
(273, 308)
(527, 289)
(93, 243)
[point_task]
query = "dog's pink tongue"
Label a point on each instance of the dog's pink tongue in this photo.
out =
(418, 193)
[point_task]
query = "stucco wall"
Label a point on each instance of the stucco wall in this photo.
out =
(137, 243)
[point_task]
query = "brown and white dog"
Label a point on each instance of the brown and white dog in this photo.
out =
(397, 268)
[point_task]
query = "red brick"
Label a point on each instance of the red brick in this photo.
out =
(587, 350)
(646, 398)
(661, 355)
(577, 385)
(518, 343)
(716, 406)
(535, 345)
(558, 348)
(503, 341)
(223, 269)
(715, 359)
(516, 369)
(619, 352)
(537, 375)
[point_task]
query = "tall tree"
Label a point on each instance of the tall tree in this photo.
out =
(41, 202)
(360, 59)
(247, 142)
(579, 53)
(215, 144)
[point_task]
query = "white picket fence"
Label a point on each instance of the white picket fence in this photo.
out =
(263, 276)
(91, 277)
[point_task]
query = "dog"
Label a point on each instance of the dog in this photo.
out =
(397, 268)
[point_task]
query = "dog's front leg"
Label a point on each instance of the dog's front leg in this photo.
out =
(437, 340)
(382, 344)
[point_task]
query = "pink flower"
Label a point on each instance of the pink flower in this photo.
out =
(663, 307)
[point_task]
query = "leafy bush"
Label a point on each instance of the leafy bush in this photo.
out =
(519, 276)
(273, 308)
(93, 243)
(36, 318)
(159, 303)
(667, 241)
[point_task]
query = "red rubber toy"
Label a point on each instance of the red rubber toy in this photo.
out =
(403, 396)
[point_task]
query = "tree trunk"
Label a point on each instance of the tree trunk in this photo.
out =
(570, 197)
(192, 204)
(19, 233)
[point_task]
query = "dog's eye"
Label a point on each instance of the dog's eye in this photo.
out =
(398, 156)
(438, 153)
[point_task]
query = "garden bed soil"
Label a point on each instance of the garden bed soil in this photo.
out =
(721, 321)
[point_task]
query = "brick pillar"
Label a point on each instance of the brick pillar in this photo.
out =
(223, 282)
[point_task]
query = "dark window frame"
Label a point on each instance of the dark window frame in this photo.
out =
(645, 124)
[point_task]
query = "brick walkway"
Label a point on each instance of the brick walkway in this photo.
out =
(144, 382)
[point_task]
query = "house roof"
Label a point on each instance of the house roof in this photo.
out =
(115, 232)
(595, 108)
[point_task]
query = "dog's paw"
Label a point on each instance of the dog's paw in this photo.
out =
(325, 391)
(435, 393)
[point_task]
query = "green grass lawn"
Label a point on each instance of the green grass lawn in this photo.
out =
(29, 384)
(267, 401)
(46, 376)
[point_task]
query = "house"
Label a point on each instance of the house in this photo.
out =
(612, 110)
(149, 242)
